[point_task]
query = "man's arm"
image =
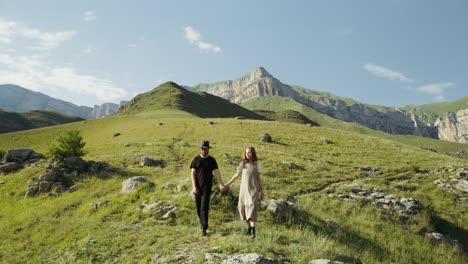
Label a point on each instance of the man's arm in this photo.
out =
(194, 178)
(218, 176)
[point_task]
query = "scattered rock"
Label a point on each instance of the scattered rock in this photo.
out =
(291, 165)
(369, 171)
(213, 258)
(96, 205)
(267, 138)
(462, 185)
(211, 123)
(280, 209)
(327, 141)
(127, 145)
(129, 185)
(438, 238)
(165, 212)
(391, 203)
(147, 206)
(147, 161)
(116, 134)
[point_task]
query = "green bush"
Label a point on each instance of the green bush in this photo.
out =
(70, 144)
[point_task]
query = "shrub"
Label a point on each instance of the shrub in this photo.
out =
(70, 144)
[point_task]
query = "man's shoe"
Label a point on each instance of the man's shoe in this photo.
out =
(203, 232)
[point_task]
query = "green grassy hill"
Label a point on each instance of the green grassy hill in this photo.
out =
(13, 121)
(171, 96)
(66, 229)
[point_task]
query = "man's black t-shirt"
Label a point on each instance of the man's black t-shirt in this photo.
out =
(204, 168)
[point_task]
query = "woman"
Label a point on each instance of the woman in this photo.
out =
(251, 188)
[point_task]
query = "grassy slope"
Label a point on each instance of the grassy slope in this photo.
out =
(277, 103)
(13, 121)
(67, 230)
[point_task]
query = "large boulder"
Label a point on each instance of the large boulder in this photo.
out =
(129, 185)
(9, 167)
(280, 209)
(17, 155)
(75, 163)
(21, 155)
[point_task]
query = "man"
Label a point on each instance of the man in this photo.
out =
(202, 168)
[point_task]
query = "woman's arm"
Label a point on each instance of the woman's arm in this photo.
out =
(234, 178)
(259, 176)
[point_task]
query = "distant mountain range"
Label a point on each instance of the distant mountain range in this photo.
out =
(449, 122)
(267, 98)
(19, 99)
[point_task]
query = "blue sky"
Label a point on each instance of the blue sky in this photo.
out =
(389, 52)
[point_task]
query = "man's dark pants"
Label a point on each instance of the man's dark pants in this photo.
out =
(202, 200)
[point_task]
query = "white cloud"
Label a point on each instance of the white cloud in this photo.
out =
(59, 82)
(195, 37)
(436, 89)
(89, 16)
(386, 73)
(9, 30)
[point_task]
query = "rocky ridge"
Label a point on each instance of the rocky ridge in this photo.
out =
(391, 120)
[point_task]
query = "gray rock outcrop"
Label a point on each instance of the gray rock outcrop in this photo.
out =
(250, 258)
(130, 185)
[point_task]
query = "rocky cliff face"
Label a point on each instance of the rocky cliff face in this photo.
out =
(257, 83)
(107, 109)
(261, 83)
(454, 126)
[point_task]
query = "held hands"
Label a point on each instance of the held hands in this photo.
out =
(224, 187)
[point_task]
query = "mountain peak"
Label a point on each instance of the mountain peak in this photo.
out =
(259, 73)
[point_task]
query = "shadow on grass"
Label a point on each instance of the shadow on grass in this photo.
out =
(456, 232)
(353, 240)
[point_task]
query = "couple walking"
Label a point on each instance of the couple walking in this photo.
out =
(251, 188)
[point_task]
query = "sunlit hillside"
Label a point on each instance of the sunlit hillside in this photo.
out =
(315, 169)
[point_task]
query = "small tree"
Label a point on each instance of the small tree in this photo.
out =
(70, 144)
